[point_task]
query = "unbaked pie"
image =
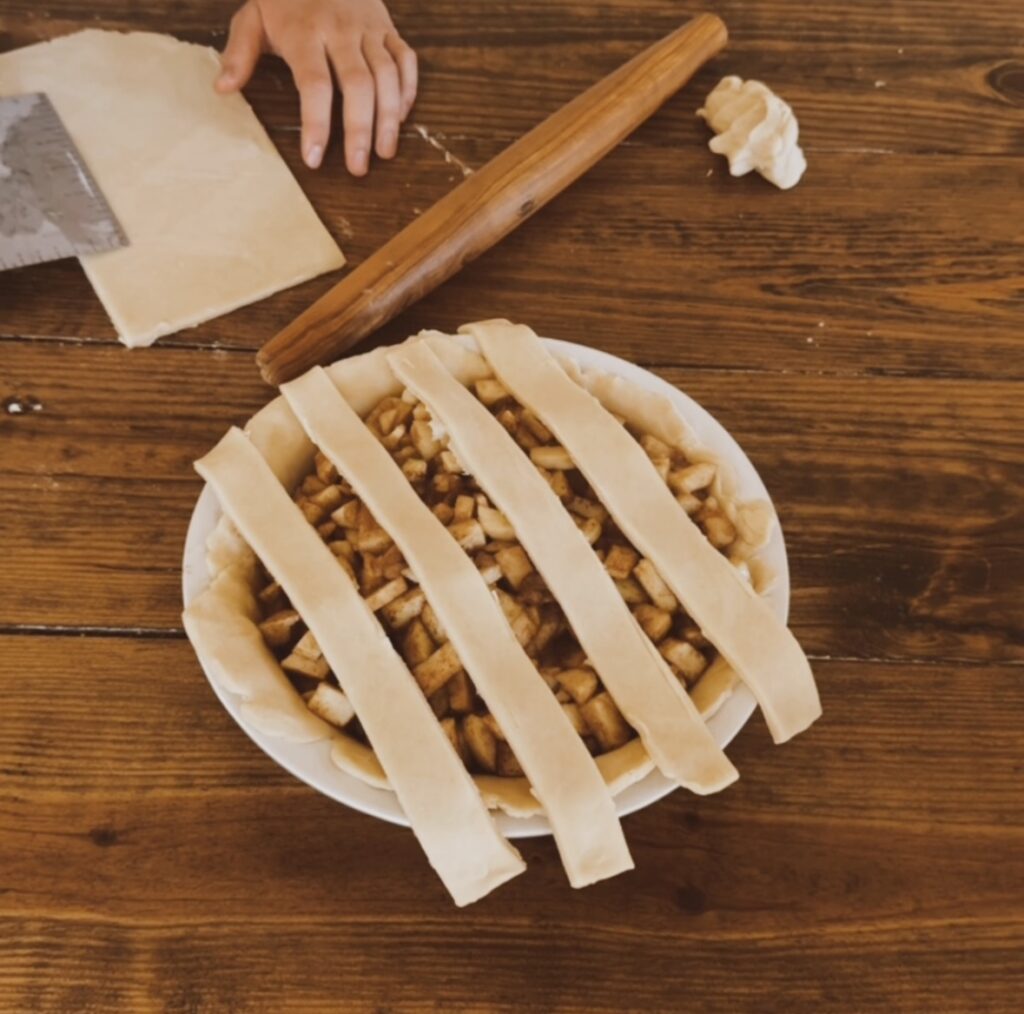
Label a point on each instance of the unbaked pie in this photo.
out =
(494, 581)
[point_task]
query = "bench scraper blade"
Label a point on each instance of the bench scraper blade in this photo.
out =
(50, 205)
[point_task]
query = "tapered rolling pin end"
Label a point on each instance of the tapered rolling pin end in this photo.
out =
(266, 368)
(272, 360)
(718, 34)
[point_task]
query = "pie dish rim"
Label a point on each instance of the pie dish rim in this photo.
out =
(311, 762)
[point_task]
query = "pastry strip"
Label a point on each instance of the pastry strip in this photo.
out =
(731, 615)
(561, 772)
(436, 792)
(632, 669)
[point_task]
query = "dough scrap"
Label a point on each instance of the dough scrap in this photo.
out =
(755, 130)
(731, 615)
(446, 812)
(629, 665)
(214, 217)
(560, 770)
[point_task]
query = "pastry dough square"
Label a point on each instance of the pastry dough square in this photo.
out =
(214, 218)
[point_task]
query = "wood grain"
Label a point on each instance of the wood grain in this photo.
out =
(135, 834)
(158, 737)
(860, 335)
(705, 271)
(59, 965)
(909, 259)
(865, 473)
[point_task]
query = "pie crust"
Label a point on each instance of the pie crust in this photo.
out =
(632, 670)
(222, 621)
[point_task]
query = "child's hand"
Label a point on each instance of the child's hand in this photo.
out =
(375, 69)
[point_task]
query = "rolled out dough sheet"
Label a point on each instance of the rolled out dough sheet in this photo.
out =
(214, 217)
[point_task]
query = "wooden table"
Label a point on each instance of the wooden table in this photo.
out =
(862, 338)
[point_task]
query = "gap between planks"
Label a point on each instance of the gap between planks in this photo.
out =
(68, 630)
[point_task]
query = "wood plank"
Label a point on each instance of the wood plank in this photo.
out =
(152, 858)
(857, 862)
(650, 258)
(860, 97)
(884, 77)
(900, 498)
(109, 724)
(550, 966)
(944, 24)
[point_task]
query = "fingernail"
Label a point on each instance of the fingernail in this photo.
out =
(360, 161)
(388, 143)
(314, 156)
(225, 79)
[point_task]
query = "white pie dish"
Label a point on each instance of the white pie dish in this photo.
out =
(311, 762)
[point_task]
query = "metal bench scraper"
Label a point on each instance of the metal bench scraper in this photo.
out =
(50, 205)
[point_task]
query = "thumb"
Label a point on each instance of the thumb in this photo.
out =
(245, 43)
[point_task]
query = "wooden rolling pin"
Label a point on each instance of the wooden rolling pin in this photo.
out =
(491, 203)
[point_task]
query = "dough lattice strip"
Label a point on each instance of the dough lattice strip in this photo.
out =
(740, 624)
(436, 792)
(562, 773)
(640, 682)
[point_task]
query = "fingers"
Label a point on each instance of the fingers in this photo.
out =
(376, 74)
(357, 99)
(308, 62)
(408, 70)
(389, 99)
(245, 43)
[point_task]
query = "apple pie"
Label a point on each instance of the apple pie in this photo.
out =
(494, 581)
